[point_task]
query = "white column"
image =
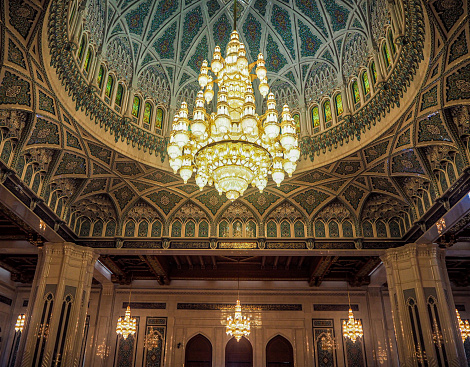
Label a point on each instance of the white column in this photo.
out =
(417, 276)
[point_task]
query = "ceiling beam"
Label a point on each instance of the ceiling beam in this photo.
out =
(201, 261)
(158, 269)
(118, 276)
(361, 276)
(214, 262)
(321, 269)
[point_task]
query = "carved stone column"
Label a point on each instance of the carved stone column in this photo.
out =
(423, 308)
(58, 304)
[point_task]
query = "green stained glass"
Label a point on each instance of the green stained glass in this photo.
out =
(388, 60)
(109, 86)
(159, 118)
(119, 93)
(147, 113)
(339, 104)
(88, 60)
(81, 49)
(392, 44)
(315, 116)
(327, 111)
(176, 229)
(355, 90)
(374, 72)
(251, 229)
(136, 107)
(190, 229)
(100, 76)
(223, 229)
(365, 82)
(296, 118)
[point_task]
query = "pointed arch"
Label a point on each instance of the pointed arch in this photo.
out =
(237, 353)
(279, 352)
(198, 352)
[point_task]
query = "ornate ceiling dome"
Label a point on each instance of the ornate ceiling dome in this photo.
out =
(310, 46)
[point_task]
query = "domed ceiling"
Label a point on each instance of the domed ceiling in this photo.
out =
(310, 45)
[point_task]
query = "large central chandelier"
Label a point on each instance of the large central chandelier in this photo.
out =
(352, 328)
(126, 326)
(234, 146)
(238, 325)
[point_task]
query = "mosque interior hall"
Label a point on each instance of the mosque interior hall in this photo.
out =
(234, 183)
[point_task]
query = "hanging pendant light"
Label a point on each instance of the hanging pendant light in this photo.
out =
(464, 327)
(19, 326)
(128, 325)
(152, 339)
(352, 328)
(238, 325)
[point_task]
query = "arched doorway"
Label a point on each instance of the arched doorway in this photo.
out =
(279, 353)
(198, 352)
(238, 354)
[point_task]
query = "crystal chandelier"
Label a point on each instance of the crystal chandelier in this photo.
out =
(352, 328)
(233, 147)
(328, 342)
(464, 326)
(239, 325)
(126, 326)
(152, 339)
(19, 326)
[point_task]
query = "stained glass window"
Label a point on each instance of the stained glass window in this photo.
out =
(319, 229)
(367, 230)
(147, 113)
(88, 60)
(98, 228)
(203, 229)
(339, 104)
(373, 70)
(394, 229)
(271, 229)
(365, 83)
(130, 229)
(237, 229)
(136, 106)
(223, 229)
(386, 53)
(355, 90)
(347, 229)
(327, 111)
(251, 229)
(81, 49)
(333, 229)
(156, 229)
(285, 229)
(100, 77)
(299, 229)
(381, 229)
(392, 44)
(176, 229)
(315, 117)
(159, 115)
(109, 86)
(119, 94)
(190, 229)
(110, 229)
(143, 229)
(296, 118)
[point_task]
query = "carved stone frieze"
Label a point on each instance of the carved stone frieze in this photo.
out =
(334, 210)
(190, 211)
(285, 211)
(143, 211)
(382, 207)
(13, 121)
(237, 211)
(96, 207)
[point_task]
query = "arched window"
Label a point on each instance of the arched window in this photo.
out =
(367, 230)
(394, 228)
(147, 115)
(143, 229)
(98, 228)
(299, 229)
(355, 93)
(119, 95)
(85, 228)
(237, 229)
(110, 229)
(81, 49)
(88, 60)
(373, 71)
(339, 104)
(285, 229)
(386, 55)
(333, 229)
(190, 229)
(203, 229)
(327, 113)
(365, 83)
(99, 81)
(315, 117)
(176, 229)
(136, 107)
(319, 229)
(198, 352)
(238, 354)
(157, 229)
(130, 229)
(159, 116)
(391, 42)
(109, 86)
(271, 229)
(381, 229)
(223, 229)
(347, 229)
(251, 229)
(296, 118)
(279, 352)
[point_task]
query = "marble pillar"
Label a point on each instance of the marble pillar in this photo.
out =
(423, 308)
(56, 314)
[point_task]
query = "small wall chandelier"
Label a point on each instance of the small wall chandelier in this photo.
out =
(464, 327)
(128, 325)
(238, 325)
(328, 342)
(233, 147)
(352, 328)
(19, 326)
(152, 339)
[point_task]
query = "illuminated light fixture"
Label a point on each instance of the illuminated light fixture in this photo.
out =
(128, 325)
(19, 326)
(234, 146)
(238, 325)
(352, 328)
(152, 339)
(328, 342)
(464, 327)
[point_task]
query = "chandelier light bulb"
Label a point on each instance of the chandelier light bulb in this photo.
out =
(19, 326)
(233, 147)
(352, 328)
(239, 325)
(126, 326)
(464, 327)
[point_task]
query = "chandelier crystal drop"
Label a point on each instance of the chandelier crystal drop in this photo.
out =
(352, 328)
(19, 326)
(234, 146)
(126, 326)
(239, 325)
(464, 327)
